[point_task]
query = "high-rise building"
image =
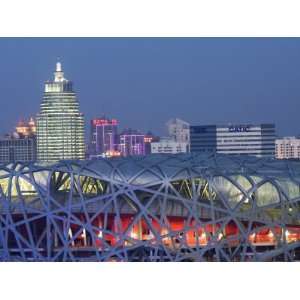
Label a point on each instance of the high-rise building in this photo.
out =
(258, 140)
(104, 137)
(60, 125)
(179, 130)
(132, 143)
(168, 145)
(287, 147)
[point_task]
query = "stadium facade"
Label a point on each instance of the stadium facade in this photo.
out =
(185, 207)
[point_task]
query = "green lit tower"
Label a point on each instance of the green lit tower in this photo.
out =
(60, 125)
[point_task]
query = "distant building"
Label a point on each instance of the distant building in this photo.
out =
(14, 148)
(19, 146)
(258, 140)
(287, 147)
(60, 125)
(26, 129)
(104, 137)
(132, 143)
(179, 130)
(168, 145)
(148, 139)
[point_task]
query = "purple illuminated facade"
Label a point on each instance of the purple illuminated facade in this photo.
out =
(104, 136)
(132, 143)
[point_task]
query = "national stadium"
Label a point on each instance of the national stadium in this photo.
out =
(185, 207)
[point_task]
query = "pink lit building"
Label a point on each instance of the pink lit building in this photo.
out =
(104, 136)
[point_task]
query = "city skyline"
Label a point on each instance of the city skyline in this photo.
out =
(150, 74)
(202, 166)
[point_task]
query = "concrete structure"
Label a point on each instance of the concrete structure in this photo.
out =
(60, 125)
(168, 145)
(179, 130)
(258, 140)
(132, 143)
(287, 147)
(104, 137)
(185, 207)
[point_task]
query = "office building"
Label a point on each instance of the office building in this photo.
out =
(258, 140)
(132, 143)
(60, 125)
(16, 148)
(168, 145)
(104, 137)
(287, 147)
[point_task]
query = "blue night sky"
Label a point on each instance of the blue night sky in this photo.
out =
(145, 81)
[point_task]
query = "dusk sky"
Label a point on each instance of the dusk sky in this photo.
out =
(143, 82)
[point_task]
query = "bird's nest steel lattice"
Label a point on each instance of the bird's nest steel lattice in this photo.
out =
(187, 207)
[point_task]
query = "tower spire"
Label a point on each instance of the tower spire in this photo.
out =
(58, 74)
(58, 67)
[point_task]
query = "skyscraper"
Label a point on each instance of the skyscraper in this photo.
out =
(60, 125)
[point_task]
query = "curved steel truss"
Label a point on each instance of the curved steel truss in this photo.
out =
(183, 207)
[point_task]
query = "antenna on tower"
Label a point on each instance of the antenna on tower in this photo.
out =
(58, 65)
(58, 74)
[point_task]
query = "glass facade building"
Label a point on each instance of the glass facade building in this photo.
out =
(249, 139)
(60, 125)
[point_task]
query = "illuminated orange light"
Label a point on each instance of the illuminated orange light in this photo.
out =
(252, 236)
(112, 153)
(26, 129)
(148, 139)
